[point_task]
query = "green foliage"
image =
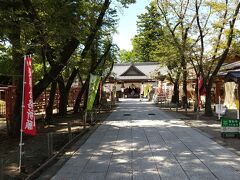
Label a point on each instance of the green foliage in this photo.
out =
(235, 48)
(6, 65)
(127, 56)
(153, 41)
(149, 32)
(125, 3)
(45, 26)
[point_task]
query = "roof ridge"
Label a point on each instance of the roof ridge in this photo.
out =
(136, 63)
(134, 68)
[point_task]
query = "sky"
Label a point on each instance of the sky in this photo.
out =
(127, 24)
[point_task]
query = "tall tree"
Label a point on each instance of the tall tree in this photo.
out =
(52, 30)
(127, 56)
(149, 31)
(216, 30)
(154, 42)
(178, 18)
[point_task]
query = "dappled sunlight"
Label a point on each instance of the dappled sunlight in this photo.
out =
(122, 148)
(138, 141)
(160, 158)
(72, 153)
(51, 126)
(122, 160)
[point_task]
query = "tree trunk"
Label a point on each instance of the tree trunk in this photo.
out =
(184, 87)
(66, 53)
(86, 96)
(64, 92)
(17, 57)
(79, 97)
(49, 109)
(208, 103)
(208, 108)
(175, 97)
(88, 44)
(63, 102)
(196, 97)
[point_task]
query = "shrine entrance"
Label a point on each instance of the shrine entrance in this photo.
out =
(132, 90)
(134, 80)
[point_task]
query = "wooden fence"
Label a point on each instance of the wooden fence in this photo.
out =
(41, 103)
(8, 97)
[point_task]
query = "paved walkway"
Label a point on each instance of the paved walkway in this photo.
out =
(138, 141)
(2, 123)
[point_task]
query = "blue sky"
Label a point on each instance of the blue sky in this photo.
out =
(127, 24)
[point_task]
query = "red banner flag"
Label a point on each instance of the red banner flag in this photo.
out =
(200, 83)
(28, 117)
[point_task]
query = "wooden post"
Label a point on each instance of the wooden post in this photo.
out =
(69, 131)
(198, 110)
(219, 107)
(96, 114)
(9, 98)
(50, 144)
(1, 169)
(91, 114)
(85, 119)
(238, 99)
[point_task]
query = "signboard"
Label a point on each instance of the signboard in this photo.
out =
(229, 126)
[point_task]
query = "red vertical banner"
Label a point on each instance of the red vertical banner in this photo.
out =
(200, 83)
(28, 117)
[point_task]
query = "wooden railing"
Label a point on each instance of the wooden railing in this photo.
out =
(41, 103)
(8, 96)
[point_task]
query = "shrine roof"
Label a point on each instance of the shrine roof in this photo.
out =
(143, 70)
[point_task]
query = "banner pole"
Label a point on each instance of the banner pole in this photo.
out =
(21, 130)
(100, 91)
(219, 107)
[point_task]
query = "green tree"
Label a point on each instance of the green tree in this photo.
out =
(216, 32)
(127, 56)
(149, 32)
(6, 65)
(154, 42)
(53, 31)
(178, 18)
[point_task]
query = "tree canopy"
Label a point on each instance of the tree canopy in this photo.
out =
(187, 34)
(66, 39)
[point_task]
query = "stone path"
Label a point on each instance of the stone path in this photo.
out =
(2, 123)
(139, 141)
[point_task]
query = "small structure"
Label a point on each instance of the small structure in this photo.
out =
(234, 76)
(132, 79)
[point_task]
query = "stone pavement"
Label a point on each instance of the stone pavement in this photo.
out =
(138, 141)
(2, 123)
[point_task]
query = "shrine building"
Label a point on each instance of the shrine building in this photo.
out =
(128, 79)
